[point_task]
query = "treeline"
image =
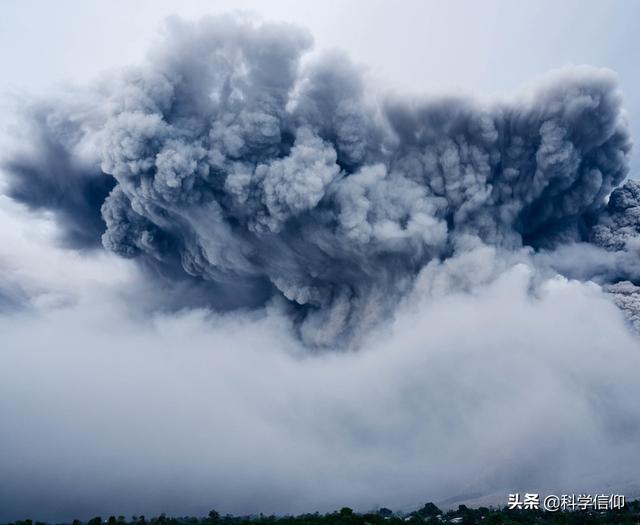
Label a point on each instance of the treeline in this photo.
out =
(429, 514)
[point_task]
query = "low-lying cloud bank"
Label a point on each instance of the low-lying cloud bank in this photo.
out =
(333, 300)
(492, 377)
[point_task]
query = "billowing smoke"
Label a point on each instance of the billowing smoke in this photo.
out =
(619, 224)
(229, 160)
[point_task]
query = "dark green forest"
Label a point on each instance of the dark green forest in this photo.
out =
(428, 514)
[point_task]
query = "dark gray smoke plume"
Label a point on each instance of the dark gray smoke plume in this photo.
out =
(619, 224)
(227, 160)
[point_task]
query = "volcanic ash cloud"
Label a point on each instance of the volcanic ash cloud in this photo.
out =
(228, 163)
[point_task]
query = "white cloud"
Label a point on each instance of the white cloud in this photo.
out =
(484, 383)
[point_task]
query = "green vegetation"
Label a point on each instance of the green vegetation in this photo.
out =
(427, 515)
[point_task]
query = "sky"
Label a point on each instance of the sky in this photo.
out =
(485, 350)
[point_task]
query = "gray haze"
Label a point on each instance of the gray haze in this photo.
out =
(238, 276)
